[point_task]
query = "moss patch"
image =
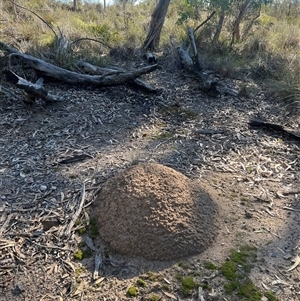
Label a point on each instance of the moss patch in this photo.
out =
(141, 283)
(78, 255)
(178, 111)
(132, 291)
(187, 285)
(210, 266)
(237, 269)
(154, 297)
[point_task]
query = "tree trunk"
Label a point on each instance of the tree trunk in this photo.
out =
(219, 27)
(250, 24)
(75, 5)
(157, 20)
(236, 34)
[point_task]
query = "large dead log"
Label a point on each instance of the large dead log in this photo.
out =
(96, 70)
(71, 77)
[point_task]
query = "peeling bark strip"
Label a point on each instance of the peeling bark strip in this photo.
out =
(71, 77)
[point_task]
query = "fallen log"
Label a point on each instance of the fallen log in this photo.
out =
(96, 70)
(71, 77)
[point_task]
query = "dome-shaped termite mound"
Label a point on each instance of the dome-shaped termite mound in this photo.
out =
(153, 211)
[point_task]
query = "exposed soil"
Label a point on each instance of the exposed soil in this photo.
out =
(252, 174)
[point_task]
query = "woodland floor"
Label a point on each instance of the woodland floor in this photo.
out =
(252, 174)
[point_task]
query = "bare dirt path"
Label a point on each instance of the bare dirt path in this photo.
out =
(252, 174)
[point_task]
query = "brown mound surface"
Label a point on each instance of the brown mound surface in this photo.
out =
(153, 211)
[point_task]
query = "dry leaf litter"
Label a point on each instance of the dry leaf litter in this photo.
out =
(252, 174)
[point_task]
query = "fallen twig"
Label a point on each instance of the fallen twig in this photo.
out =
(77, 213)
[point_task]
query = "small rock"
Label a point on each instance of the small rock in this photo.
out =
(43, 187)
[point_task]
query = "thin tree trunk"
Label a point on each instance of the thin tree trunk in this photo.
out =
(249, 26)
(219, 27)
(236, 34)
(157, 20)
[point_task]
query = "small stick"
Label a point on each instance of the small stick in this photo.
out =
(77, 213)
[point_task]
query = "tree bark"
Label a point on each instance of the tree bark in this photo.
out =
(236, 34)
(219, 27)
(157, 20)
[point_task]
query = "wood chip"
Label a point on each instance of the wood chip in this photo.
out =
(296, 263)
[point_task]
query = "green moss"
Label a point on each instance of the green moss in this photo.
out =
(237, 269)
(151, 276)
(184, 114)
(187, 284)
(241, 259)
(165, 287)
(183, 265)
(154, 297)
(229, 270)
(247, 290)
(132, 291)
(178, 277)
(78, 271)
(270, 296)
(231, 286)
(210, 266)
(83, 253)
(78, 255)
(141, 282)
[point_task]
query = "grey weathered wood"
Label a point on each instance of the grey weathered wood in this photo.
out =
(34, 90)
(71, 77)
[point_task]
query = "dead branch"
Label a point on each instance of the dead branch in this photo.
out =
(77, 213)
(205, 21)
(194, 48)
(48, 25)
(72, 77)
(34, 90)
(95, 70)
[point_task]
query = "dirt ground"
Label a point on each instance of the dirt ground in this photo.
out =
(56, 158)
